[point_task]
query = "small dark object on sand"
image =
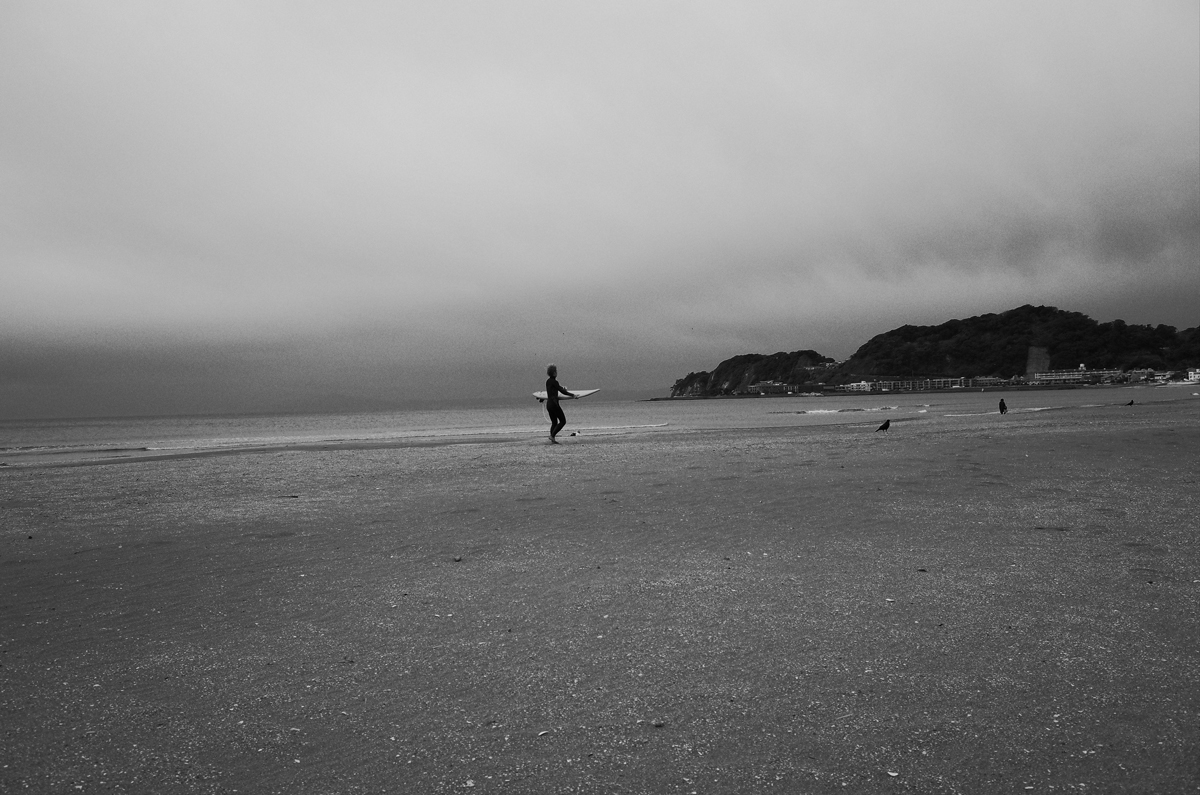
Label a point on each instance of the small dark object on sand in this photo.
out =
(1003, 406)
(886, 424)
(1130, 403)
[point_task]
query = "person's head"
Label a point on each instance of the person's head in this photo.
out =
(552, 370)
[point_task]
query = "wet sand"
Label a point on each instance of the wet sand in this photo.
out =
(981, 604)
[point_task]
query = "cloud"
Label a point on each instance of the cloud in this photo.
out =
(665, 180)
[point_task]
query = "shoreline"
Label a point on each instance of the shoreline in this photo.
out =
(99, 458)
(83, 455)
(959, 390)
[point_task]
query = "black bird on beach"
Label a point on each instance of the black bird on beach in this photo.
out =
(1003, 407)
(886, 424)
(1130, 403)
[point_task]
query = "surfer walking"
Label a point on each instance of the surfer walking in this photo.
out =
(1003, 406)
(558, 420)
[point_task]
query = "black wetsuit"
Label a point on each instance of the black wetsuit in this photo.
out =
(557, 419)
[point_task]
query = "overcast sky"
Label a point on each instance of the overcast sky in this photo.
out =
(210, 205)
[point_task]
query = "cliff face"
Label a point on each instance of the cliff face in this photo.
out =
(736, 374)
(1000, 345)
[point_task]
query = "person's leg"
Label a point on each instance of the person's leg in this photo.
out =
(557, 420)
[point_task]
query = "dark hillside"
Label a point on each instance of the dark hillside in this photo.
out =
(795, 368)
(999, 344)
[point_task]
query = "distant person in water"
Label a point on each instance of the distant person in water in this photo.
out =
(1003, 407)
(558, 420)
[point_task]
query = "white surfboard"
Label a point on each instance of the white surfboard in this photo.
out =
(578, 393)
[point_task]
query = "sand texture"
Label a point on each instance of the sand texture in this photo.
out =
(982, 605)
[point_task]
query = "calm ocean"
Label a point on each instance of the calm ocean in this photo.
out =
(40, 442)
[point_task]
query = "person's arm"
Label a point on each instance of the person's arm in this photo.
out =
(564, 391)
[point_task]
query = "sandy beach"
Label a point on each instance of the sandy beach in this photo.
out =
(991, 604)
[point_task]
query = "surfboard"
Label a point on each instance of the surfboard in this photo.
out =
(578, 393)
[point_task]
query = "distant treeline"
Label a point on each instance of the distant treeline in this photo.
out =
(998, 345)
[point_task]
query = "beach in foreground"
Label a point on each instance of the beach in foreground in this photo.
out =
(978, 604)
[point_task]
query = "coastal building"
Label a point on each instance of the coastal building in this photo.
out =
(919, 384)
(1193, 374)
(1079, 376)
(769, 388)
